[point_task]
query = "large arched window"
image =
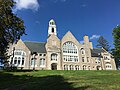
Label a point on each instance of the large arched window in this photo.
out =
(54, 57)
(70, 52)
(17, 57)
(69, 47)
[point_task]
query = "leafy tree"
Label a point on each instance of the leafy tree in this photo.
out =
(103, 43)
(11, 26)
(116, 50)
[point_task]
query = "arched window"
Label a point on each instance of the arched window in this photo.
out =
(77, 67)
(15, 60)
(22, 60)
(83, 59)
(84, 67)
(108, 66)
(71, 67)
(52, 23)
(69, 47)
(33, 62)
(54, 57)
(70, 52)
(11, 60)
(17, 57)
(65, 67)
(82, 51)
(52, 30)
(88, 67)
(42, 62)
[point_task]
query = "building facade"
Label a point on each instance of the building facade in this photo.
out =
(56, 54)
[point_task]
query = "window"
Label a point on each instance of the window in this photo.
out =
(52, 30)
(88, 67)
(11, 60)
(33, 62)
(53, 57)
(69, 47)
(82, 51)
(15, 60)
(23, 61)
(71, 67)
(40, 54)
(108, 65)
(65, 67)
(77, 67)
(84, 67)
(83, 59)
(42, 62)
(44, 54)
(70, 52)
(19, 59)
(88, 59)
(19, 56)
(52, 23)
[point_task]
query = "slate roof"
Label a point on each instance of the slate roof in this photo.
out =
(96, 52)
(38, 47)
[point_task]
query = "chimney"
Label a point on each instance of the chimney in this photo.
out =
(86, 39)
(91, 46)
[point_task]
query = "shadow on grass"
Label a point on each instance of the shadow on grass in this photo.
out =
(25, 82)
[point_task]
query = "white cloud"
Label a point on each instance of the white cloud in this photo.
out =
(63, 0)
(94, 37)
(81, 42)
(55, 1)
(83, 5)
(27, 4)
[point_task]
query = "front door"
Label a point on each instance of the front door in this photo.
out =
(53, 66)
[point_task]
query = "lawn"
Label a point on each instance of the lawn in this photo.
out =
(60, 80)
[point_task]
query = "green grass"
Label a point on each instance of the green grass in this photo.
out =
(60, 80)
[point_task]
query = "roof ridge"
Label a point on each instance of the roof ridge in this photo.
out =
(34, 41)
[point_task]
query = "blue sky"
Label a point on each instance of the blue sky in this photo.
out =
(81, 17)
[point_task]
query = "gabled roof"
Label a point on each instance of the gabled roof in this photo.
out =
(38, 47)
(96, 52)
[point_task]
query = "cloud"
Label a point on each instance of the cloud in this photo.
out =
(83, 5)
(27, 4)
(94, 37)
(37, 22)
(55, 1)
(63, 0)
(81, 42)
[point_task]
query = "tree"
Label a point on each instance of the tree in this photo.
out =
(116, 50)
(103, 43)
(11, 26)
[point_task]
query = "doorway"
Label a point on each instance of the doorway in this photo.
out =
(53, 66)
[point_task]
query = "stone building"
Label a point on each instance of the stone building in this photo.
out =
(56, 54)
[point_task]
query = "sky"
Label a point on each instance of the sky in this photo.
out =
(82, 17)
